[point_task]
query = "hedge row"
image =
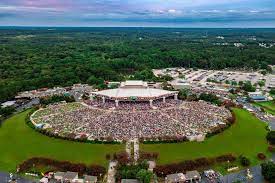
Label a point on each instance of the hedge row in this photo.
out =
(165, 139)
(148, 156)
(188, 165)
(94, 170)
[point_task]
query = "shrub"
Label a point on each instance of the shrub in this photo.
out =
(271, 149)
(261, 156)
(131, 171)
(108, 157)
(232, 119)
(144, 176)
(224, 158)
(122, 158)
(270, 137)
(244, 161)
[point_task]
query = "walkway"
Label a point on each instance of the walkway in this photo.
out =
(136, 150)
(128, 148)
(111, 172)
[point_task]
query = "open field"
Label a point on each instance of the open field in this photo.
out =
(269, 106)
(19, 142)
(246, 136)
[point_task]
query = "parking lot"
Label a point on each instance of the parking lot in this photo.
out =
(215, 77)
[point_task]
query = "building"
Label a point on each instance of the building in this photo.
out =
(180, 84)
(257, 96)
(44, 180)
(271, 83)
(8, 104)
(134, 91)
(68, 177)
(193, 176)
(175, 178)
(90, 179)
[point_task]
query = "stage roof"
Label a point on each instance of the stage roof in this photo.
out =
(139, 92)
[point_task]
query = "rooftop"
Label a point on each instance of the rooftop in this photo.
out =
(192, 174)
(88, 178)
(177, 177)
(137, 89)
(70, 175)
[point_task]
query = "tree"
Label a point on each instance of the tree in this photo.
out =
(261, 83)
(146, 75)
(232, 96)
(270, 137)
(192, 97)
(6, 111)
(210, 98)
(268, 171)
(95, 81)
(272, 91)
(144, 176)
(56, 98)
(241, 83)
(166, 78)
(247, 86)
(234, 83)
(264, 72)
(183, 94)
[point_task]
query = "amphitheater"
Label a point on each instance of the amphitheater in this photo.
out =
(163, 117)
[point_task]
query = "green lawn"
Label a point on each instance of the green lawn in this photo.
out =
(19, 142)
(269, 106)
(246, 136)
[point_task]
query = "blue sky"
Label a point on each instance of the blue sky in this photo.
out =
(152, 13)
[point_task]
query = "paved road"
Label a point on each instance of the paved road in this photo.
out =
(261, 115)
(242, 176)
(272, 123)
(5, 177)
(34, 101)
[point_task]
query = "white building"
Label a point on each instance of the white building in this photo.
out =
(134, 91)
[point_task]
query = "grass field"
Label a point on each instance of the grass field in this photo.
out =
(19, 142)
(269, 106)
(246, 136)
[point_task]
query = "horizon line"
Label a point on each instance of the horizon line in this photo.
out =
(55, 26)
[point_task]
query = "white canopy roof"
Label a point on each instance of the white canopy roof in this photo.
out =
(139, 92)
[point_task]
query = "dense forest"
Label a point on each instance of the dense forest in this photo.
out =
(45, 57)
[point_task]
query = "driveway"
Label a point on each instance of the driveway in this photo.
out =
(5, 177)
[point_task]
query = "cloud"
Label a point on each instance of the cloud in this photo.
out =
(48, 12)
(6, 15)
(28, 9)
